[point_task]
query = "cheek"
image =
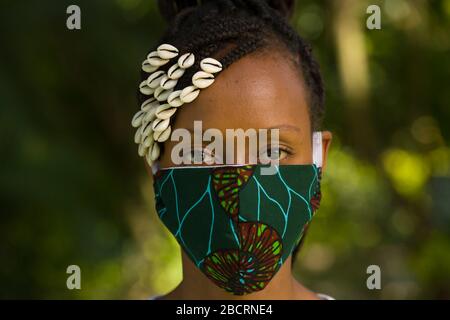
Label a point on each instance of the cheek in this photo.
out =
(165, 159)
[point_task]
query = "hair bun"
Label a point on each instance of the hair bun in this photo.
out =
(171, 8)
(284, 7)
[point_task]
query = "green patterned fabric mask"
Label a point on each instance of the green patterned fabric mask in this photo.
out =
(237, 225)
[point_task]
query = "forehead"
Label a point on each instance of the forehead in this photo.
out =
(262, 90)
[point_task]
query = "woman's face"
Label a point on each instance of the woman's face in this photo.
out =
(259, 91)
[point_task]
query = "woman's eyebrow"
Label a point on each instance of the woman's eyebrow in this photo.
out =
(285, 127)
(281, 127)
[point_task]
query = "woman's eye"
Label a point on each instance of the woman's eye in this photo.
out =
(199, 156)
(275, 153)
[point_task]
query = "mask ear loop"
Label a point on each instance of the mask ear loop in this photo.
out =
(317, 160)
(155, 167)
(317, 148)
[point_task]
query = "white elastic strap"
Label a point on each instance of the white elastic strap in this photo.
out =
(317, 148)
(155, 167)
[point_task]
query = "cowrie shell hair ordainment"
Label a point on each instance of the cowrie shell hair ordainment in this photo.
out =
(142, 150)
(145, 89)
(149, 103)
(174, 99)
(175, 72)
(167, 51)
(154, 80)
(153, 119)
(148, 141)
(147, 129)
(210, 65)
(137, 119)
(155, 60)
(189, 94)
(165, 111)
(153, 153)
(168, 83)
(202, 79)
(151, 114)
(186, 60)
(162, 94)
(137, 136)
(160, 124)
(147, 67)
(162, 136)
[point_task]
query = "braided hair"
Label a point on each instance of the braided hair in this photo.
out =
(231, 29)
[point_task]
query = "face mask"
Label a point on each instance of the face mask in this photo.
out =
(237, 225)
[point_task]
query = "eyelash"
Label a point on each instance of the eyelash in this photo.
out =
(282, 148)
(286, 149)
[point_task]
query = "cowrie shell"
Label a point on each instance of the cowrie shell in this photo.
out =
(151, 114)
(137, 119)
(167, 51)
(154, 79)
(211, 65)
(168, 83)
(189, 94)
(202, 79)
(148, 141)
(175, 72)
(162, 94)
(153, 54)
(145, 89)
(147, 67)
(165, 111)
(149, 103)
(146, 129)
(162, 136)
(137, 135)
(186, 60)
(155, 60)
(160, 124)
(142, 150)
(147, 157)
(153, 153)
(174, 99)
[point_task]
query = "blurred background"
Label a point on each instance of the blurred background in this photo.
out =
(73, 190)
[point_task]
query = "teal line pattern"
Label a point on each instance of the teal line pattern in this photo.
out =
(242, 218)
(208, 192)
(178, 233)
(178, 216)
(234, 232)
(212, 216)
(290, 190)
(259, 202)
(162, 211)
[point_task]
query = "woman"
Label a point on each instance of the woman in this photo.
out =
(233, 64)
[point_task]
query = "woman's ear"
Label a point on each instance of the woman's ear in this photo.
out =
(327, 136)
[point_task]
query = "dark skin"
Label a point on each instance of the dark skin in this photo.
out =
(263, 90)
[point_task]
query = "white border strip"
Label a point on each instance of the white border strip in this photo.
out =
(317, 148)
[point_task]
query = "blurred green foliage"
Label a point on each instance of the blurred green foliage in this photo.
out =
(73, 190)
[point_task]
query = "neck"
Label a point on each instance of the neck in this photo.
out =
(196, 286)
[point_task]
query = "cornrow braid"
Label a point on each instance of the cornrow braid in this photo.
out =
(220, 31)
(248, 45)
